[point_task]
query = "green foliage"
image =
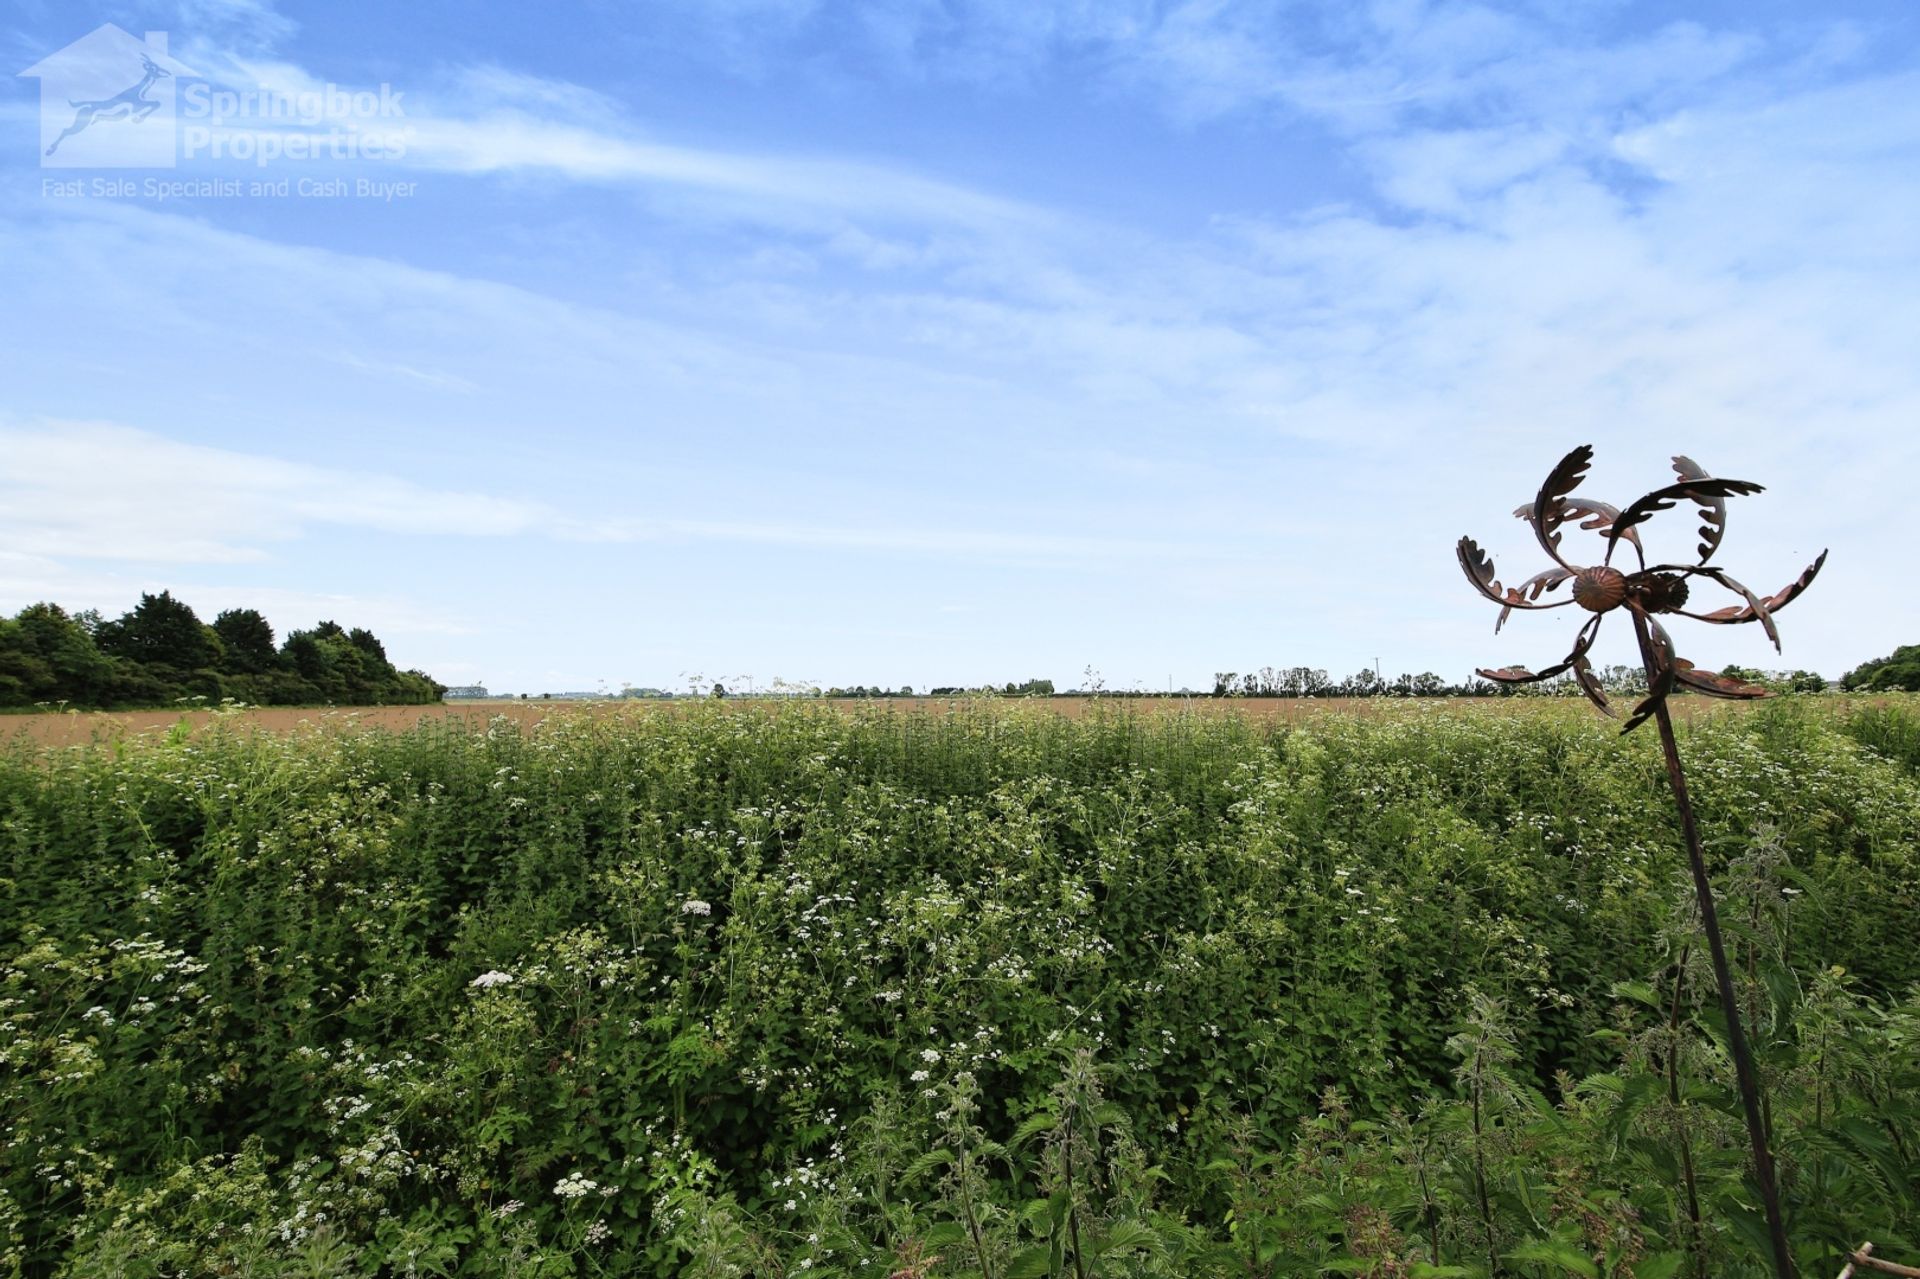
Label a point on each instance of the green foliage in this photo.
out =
(1885, 674)
(160, 653)
(727, 991)
(246, 640)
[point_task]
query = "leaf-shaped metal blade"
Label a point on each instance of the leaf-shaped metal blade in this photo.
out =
(1601, 517)
(1521, 675)
(1714, 684)
(1664, 498)
(1594, 515)
(1660, 675)
(1508, 675)
(1529, 592)
(1755, 605)
(1736, 613)
(1713, 510)
(1549, 507)
(1478, 566)
(1590, 685)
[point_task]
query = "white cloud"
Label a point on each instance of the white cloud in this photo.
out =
(489, 120)
(26, 579)
(97, 491)
(504, 141)
(87, 490)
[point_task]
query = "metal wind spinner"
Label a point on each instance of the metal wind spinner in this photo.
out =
(1645, 593)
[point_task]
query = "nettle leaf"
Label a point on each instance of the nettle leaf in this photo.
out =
(1638, 991)
(1553, 1252)
(945, 1235)
(1034, 1263)
(931, 1161)
(1129, 1236)
(1663, 1265)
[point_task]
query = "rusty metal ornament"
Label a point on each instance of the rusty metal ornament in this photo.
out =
(1646, 594)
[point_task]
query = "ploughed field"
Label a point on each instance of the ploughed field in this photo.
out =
(984, 988)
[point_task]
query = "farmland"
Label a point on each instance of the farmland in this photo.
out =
(74, 728)
(948, 989)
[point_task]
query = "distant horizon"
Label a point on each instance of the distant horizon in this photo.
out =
(979, 342)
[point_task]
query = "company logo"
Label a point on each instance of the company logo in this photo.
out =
(107, 101)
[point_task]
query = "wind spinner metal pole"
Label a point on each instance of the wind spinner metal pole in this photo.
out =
(1645, 593)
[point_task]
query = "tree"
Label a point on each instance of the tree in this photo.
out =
(308, 657)
(24, 677)
(365, 641)
(1886, 674)
(159, 653)
(75, 670)
(162, 631)
(247, 639)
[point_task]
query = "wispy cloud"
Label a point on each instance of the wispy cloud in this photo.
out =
(113, 590)
(100, 491)
(81, 490)
(488, 120)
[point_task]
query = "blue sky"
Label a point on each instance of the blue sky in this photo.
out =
(942, 341)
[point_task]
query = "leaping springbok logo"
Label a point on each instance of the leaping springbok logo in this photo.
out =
(133, 104)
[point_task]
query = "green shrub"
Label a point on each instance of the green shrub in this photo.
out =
(715, 990)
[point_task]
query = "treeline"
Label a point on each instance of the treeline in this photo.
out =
(1307, 681)
(1303, 681)
(1022, 688)
(1886, 674)
(161, 653)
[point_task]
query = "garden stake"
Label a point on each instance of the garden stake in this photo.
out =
(1644, 593)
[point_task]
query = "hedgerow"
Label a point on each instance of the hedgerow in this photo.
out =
(782, 990)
